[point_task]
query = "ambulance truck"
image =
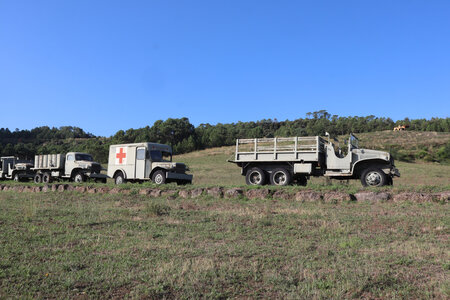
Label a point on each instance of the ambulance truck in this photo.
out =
(140, 162)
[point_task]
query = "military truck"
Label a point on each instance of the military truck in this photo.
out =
(12, 167)
(282, 161)
(73, 166)
(145, 161)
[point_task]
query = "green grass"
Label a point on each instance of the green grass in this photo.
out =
(75, 245)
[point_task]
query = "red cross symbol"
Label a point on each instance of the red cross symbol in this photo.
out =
(121, 155)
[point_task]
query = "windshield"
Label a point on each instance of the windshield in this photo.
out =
(353, 141)
(157, 155)
(83, 157)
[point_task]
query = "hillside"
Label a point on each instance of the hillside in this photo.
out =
(408, 145)
(210, 166)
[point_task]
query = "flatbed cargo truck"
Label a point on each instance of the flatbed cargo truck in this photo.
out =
(73, 166)
(282, 161)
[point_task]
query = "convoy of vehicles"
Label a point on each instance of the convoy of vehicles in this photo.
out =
(278, 161)
(127, 162)
(73, 166)
(282, 161)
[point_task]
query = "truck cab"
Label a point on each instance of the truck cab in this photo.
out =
(139, 162)
(79, 166)
(12, 167)
(373, 167)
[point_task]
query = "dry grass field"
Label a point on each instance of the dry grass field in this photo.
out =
(98, 246)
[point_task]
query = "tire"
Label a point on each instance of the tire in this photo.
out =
(79, 177)
(390, 181)
(373, 177)
(159, 177)
(301, 180)
(16, 177)
(103, 180)
(46, 178)
(280, 177)
(37, 178)
(119, 178)
(255, 176)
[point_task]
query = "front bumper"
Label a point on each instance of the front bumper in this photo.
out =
(179, 176)
(395, 172)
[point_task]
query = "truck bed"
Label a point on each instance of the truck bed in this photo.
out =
(292, 149)
(48, 161)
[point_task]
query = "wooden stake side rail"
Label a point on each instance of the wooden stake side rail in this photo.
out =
(279, 149)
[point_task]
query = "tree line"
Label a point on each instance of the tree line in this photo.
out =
(185, 137)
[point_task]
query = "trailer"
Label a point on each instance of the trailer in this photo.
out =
(282, 161)
(73, 166)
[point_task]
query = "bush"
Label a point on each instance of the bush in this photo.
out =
(443, 153)
(157, 209)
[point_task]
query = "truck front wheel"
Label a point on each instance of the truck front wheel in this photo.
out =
(79, 177)
(373, 177)
(159, 177)
(255, 176)
(16, 177)
(280, 176)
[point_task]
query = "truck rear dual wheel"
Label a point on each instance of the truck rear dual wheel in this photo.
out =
(302, 180)
(46, 178)
(280, 177)
(373, 177)
(255, 176)
(37, 178)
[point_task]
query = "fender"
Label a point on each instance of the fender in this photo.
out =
(369, 161)
(121, 170)
(154, 170)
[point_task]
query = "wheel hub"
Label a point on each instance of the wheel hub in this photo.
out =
(373, 178)
(255, 178)
(279, 178)
(158, 179)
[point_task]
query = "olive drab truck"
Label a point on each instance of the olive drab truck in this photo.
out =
(73, 166)
(13, 168)
(140, 162)
(282, 161)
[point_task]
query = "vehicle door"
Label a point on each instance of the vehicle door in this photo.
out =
(337, 163)
(69, 165)
(141, 155)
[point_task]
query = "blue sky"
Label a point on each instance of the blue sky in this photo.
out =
(110, 65)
